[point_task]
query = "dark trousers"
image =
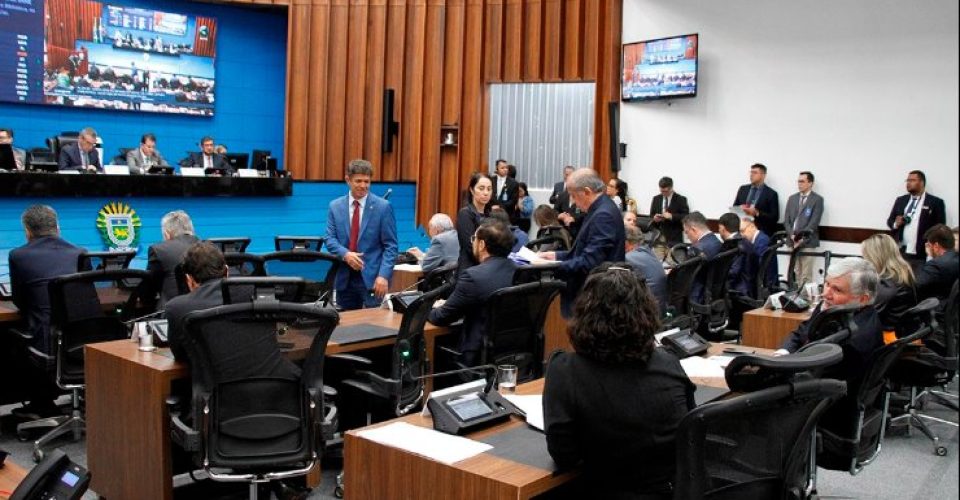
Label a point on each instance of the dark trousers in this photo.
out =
(355, 295)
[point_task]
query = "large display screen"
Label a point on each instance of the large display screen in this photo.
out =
(660, 69)
(89, 54)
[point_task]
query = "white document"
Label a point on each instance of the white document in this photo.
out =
(531, 405)
(248, 173)
(192, 172)
(697, 367)
(412, 268)
(531, 256)
(429, 443)
(116, 169)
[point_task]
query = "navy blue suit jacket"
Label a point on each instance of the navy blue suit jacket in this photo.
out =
(32, 267)
(196, 160)
(377, 240)
(469, 297)
(70, 158)
(936, 277)
(709, 245)
(768, 203)
(600, 239)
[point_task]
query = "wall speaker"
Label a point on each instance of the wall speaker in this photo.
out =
(613, 113)
(389, 127)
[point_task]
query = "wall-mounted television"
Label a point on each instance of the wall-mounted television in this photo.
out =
(664, 68)
(90, 54)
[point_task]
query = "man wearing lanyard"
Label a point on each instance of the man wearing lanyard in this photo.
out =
(506, 191)
(81, 155)
(912, 215)
(801, 219)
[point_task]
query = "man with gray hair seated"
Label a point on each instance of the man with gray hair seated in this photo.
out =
(163, 257)
(444, 245)
(850, 282)
(646, 265)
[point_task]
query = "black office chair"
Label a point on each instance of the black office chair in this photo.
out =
(758, 444)
(401, 390)
(57, 142)
(318, 268)
(550, 238)
(41, 159)
(121, 157)
(243, 290)
(682, 252)
(85, 308)
(926, 367)
(248, 424)
(231, 244)
(679, 283)
(436, 278)
(713, 314)
(244, 264)
(514, 334)
(852, 431)
(533, 274)
(314, 243)
(95, 261)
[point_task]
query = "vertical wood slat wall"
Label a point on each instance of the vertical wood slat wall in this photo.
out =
(438, 56)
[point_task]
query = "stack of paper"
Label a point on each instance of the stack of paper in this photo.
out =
(429, 443)
(697, 367)
(531, 405)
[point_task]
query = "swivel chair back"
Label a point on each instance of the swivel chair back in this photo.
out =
(757, 444)
(515, 319)
(318, 268)
(231, 244)
(438, 277)
(257, 424)
(94, 261)
(244, 264)
(679, 284)
(85, 308)
(314, 243)
(713, 314)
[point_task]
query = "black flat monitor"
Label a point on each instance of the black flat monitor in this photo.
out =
(238, 160)
(253, 289)
(7, 160)
(216, 171)
(261, 159)
(160, 170)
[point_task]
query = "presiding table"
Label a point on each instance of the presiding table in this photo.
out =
(374, 471)
(767, 328)
(128, 426)
(42, 184)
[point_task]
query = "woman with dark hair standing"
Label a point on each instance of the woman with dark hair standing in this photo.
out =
(477, 208)
(615, 404)
(617, 191)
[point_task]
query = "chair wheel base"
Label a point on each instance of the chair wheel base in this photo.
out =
(37, 455)
(941, 451)
(338, 492)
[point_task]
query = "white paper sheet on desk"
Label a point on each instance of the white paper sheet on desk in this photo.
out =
(531, 405)
(697, 367)
(413, 268)
(426, 442)
(531, 256)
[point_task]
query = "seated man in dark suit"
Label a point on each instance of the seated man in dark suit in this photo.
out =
(163, 257)
(491, 245)
(81, 155)
(646, 265)
(207, 158)
(759, 242)
(740, 281)
(937, 275)
(707, 242)
(32, 266)
(444, 245)
(849, 282)
(600, 239)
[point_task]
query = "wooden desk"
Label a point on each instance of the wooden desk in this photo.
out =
(375, 471)
(128, 427)
(10, 477)
(767, 328)
(8, 311)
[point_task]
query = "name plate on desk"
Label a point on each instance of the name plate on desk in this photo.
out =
(69, 172)
(192, 172)
(116, 170)
(248, 172)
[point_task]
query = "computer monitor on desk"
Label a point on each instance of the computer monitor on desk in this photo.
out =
(263, 161)
(238, 160)
(7, 160)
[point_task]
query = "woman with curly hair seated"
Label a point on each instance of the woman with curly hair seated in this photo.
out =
(616, 403)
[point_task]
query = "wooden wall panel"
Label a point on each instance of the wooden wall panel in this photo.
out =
(439, 56)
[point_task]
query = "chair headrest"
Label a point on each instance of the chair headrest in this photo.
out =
(749, 373)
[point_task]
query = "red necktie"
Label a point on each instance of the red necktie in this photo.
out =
(355, 226)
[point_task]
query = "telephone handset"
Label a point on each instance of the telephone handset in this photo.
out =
(54, 477)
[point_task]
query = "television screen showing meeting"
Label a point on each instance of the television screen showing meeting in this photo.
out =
(88, 54)
(660, 69)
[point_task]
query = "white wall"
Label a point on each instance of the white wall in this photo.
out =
(857, 91)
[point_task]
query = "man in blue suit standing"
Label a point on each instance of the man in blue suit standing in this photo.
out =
(362, 230)
(601, 237)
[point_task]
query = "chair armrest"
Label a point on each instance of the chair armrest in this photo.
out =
(349, 358)
(22, 334)
(185, 436)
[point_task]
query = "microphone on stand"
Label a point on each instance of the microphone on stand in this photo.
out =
(386, 195)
